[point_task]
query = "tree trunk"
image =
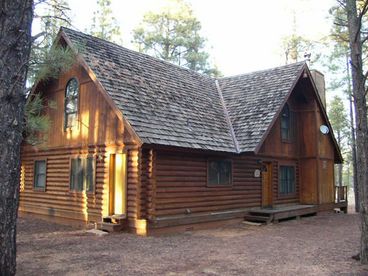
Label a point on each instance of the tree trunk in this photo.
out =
(15, 42)
(353, 143)
(339, 166)
(361, 120)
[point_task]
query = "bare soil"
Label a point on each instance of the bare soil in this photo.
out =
(318, 245)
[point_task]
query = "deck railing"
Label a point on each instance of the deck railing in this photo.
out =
(341, 194)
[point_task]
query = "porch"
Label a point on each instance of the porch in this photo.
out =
(276, 213)
(341, 198)
(280, 212)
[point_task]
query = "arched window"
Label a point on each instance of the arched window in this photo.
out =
(285, 124)
(71, 103)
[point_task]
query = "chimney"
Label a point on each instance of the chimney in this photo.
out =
(319, 81)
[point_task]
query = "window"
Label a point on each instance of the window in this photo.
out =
(287, 180)
(71, 103)
(82, 174)
(90, 174)
(39, 181)
(219, 172)
(286, 124)
(76, 175)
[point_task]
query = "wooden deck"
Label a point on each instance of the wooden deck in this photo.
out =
(277, 213)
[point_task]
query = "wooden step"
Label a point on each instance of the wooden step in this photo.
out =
(114, 219)
(259, 213)
(258, 218)
(111, 227)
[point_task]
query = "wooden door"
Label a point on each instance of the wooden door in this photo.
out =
(267, 194)
(117, 187)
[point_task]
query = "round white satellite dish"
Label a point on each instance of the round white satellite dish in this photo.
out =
(324, 129)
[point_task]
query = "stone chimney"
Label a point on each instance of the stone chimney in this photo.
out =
(319, 81)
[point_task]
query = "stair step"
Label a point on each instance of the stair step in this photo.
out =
(111, 227)
(259, 213)
(254, 218)
(114, 219)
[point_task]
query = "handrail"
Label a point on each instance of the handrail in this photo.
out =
(341, 194)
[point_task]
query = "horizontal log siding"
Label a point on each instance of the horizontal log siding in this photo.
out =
(181, 185)
(57, 199)
(133, 184)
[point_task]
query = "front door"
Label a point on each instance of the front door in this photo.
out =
(117, 189)
(267, 194)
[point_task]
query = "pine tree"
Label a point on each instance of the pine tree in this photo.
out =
(338, 119)
(15, 41)
(356, 12)
(104, 24)
(174, 35)
(47, 61)
(338, 64)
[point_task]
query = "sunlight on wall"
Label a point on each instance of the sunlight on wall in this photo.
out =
(141, 226)
(22, 178)
(120, 184)
(85, 205)
(84, 118)
(96, 127)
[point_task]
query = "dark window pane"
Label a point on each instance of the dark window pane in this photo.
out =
(40, 174)
(219, 172)
(71, 103)
(76, 175)
(285, 123)
(213, 173)
(90, 174)
(287, 180)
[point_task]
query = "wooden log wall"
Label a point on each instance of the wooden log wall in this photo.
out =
(181, 185)
(57, 199)
(99, 132)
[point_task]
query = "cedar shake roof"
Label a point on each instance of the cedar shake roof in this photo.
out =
(254, 99)
(170, 105)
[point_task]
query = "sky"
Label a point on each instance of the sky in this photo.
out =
(242, 35)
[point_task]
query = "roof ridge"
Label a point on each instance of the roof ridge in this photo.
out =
(227, 117)
(143, 54)
(263, 70)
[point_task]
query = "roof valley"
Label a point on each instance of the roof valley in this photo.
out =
(226, 113)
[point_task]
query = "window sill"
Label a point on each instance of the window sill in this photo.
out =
(220, 186)
(286, 196)
(39, 189)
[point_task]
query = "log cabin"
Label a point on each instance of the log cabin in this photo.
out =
(140, 144)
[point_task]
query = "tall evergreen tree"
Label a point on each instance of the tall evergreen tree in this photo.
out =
(338, 64)
(338, 118)
(15, 46)
(297, 48)
(174, 35)
(356, 11)
(104, 24)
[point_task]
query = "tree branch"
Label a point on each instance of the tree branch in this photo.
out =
(37, 36)
(360, 18)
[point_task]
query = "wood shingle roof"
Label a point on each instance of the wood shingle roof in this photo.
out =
(170, 105)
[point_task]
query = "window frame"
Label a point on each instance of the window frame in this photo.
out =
(83, 162)
(230, 185)
(39, 189)
(286, 195)
(74, 190)
(290, 124)
(94, 163)
(66, 114)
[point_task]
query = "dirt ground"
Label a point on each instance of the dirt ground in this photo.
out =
(319, 245)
